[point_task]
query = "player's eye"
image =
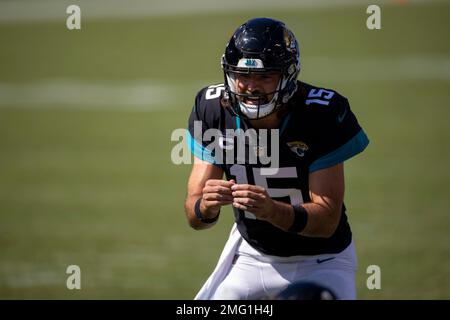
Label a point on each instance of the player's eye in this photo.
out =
(243, 77)
(268, 77)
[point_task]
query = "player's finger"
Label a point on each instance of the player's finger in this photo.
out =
(246, 208)
(216, 203)
(241, 206)
(248, 194)
(248, 187)
(217, 189)
(246, 202)
(219, 182)
(217, 196)
(221, 189)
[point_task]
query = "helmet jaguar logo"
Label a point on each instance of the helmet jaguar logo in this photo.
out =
(288, 40)
(298, 147)
(250, 63)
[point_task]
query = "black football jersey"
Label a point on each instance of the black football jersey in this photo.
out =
(318, 131)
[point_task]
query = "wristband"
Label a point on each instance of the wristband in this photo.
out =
(199, 215)
(300, 219)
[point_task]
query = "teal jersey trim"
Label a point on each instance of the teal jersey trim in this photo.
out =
(285, 122)
(199, 150)
(238, 122)
(356, 145)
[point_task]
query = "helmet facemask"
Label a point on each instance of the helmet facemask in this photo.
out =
(262, 103)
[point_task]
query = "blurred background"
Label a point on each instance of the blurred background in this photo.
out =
(86, 117)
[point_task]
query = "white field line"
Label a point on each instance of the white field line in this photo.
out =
(149, 95)
(66, 93)
(17, 11)
(417, 67)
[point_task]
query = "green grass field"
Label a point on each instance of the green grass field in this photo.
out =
(92, 184)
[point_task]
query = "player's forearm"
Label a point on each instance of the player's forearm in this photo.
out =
(282, 215)
(322, 220)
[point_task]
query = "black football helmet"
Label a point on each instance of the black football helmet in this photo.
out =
(260, 46)
(305, 290)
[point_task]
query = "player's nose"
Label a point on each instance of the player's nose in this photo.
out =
(252, 85)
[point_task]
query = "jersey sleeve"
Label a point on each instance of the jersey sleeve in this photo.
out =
(204, 116)
(340, 137)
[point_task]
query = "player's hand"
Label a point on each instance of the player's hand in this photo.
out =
(254, 199)
(216, 193)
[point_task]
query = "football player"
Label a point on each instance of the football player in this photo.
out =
(290, 224)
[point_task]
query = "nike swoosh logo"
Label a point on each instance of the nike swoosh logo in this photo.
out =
(342, 116)
(324, 260)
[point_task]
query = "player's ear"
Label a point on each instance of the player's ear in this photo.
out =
(224, 102)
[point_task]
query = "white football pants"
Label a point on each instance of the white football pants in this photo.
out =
(254, 275)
